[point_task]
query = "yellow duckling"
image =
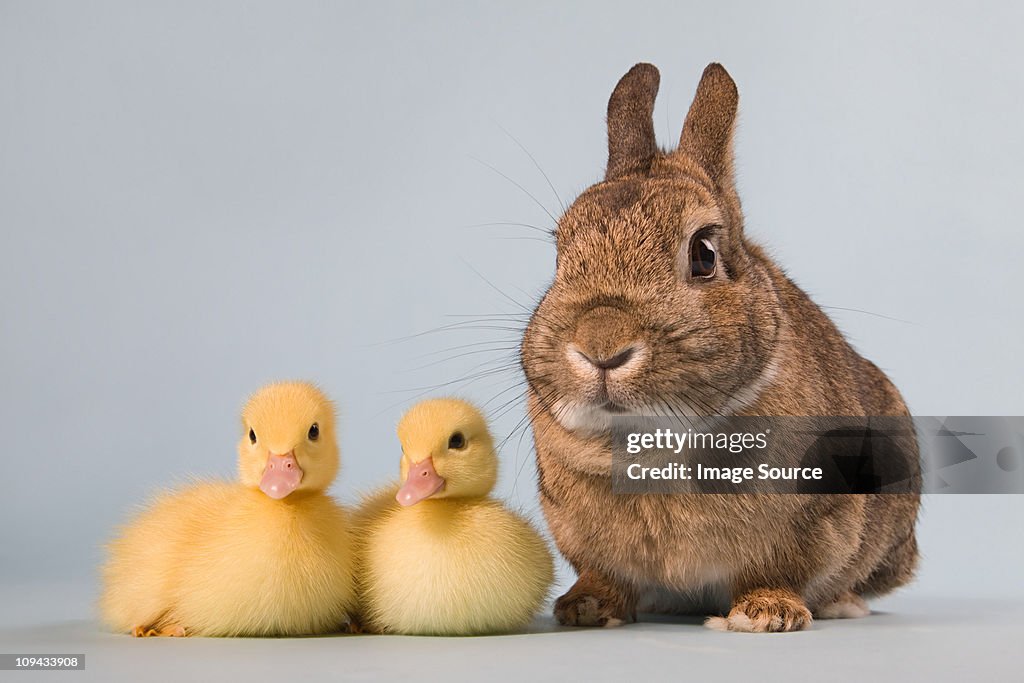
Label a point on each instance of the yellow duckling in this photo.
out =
(439, 556)
(270, 555)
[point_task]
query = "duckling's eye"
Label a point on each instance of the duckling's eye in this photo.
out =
(252, 436)
(314, 432)
(457, 441)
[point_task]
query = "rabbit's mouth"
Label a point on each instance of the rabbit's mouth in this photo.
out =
(591, 416)
(614, 408)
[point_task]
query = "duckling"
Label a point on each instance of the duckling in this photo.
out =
(438, 555)
(268, 555)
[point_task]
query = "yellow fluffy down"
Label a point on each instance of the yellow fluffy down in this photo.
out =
(221, 559)
(451, 568)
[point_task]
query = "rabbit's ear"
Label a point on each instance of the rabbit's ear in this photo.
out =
(631, 142)
(707, 133)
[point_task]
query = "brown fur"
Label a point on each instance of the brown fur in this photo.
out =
(746, 341)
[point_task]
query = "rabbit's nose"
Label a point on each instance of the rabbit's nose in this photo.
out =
(615, 361)
(606, 338)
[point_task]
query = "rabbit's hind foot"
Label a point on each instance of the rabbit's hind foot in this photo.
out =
(849, 605)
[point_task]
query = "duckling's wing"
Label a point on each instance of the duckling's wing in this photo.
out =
(372, 508)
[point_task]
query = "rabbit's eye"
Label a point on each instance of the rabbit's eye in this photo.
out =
(252, 436)
(703, 258)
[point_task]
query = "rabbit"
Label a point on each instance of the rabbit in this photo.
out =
(660, 301)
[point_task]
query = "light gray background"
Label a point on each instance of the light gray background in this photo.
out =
(196, 198)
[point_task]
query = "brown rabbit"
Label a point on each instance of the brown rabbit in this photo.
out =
(660, 301)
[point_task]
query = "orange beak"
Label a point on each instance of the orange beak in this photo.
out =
(422, 482)
(281, 475)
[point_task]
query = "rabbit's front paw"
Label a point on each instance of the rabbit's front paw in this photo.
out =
(591, 602)
(765, 610)
(585, 610)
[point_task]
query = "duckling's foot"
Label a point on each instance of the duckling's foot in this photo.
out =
(173, 631)
(593, 601)
(353, 626)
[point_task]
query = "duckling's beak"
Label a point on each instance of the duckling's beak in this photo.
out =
(281, 476)
(422, 482)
